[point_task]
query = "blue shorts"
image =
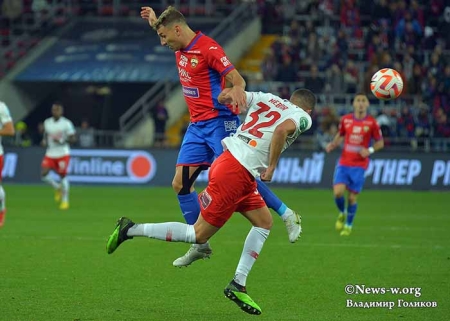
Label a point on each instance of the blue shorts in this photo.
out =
(202, 141)
(352, 177)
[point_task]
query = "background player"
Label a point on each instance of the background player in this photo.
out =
(203, 69)
(59, 132)
(357, 131)
(6, 129)
(253, 151)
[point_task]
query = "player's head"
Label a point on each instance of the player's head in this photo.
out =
(360, 103)
(304, 99)
(57, 110)
(170, 27)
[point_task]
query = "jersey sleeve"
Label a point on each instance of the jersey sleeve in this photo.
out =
(5, 116)
(70, 130)
(376, 131)
(250, 97)
(341, 127)
(217, 59)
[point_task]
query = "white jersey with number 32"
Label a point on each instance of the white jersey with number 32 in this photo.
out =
(57, 134)
(251, 143)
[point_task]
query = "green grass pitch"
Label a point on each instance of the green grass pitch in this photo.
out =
(54, 266)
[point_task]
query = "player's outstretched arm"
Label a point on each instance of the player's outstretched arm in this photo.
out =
(8, 129)
(277, 143)
(148, 14)
(335, 143)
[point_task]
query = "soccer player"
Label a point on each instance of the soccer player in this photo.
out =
(6, 129)
(357, 130)
(203, 69)
(271, 125)
(59, 132)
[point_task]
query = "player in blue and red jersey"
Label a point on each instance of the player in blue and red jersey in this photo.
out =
(357, 130)
(204, 68)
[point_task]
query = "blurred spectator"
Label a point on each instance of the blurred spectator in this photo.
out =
(406, 126)
(423, 125)
(22, 138)
(269, 66)
(86, 135)
(12, 9)
(335, 80)
(286, 73)
(441, 131)
(314, 82)
(38, 135)
(160, 117)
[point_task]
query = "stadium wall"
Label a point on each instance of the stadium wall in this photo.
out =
(302, 170)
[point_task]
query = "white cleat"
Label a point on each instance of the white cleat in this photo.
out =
(293, 226)
(195, 252)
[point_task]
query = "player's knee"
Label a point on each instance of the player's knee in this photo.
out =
(177, 185)
(265, 223)
(352, 198)
(338, 192)
(44, 172)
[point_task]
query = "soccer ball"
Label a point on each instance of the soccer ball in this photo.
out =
(386, 84)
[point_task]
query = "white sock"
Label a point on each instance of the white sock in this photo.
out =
(286, 214)
(65, 186)
(252, 247)
(50, 181)
(2, 199)
(170, 232)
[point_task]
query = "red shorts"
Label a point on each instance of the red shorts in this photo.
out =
(1, 167)
(59, 165)
(231, 189)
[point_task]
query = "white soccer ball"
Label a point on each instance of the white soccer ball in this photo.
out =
(386, 84)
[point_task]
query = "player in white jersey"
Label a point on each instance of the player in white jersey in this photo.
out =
(271, 125)
(6, 129)
(59, 132)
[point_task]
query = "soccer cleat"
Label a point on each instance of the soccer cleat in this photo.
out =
(340, 222)
(58, 195)
(119, 234)
(64, 206)
(238, 294)
(195, 252)
(2, 217)
(293, 226)
(346, 231)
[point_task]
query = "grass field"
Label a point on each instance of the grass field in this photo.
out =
(53, 264)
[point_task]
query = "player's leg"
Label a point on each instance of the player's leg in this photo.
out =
(216, 210)
(2, 196)
(193, 157)
(290, 218)
(47, 165)
(63, 165)
(340, 181)
(126, 229)
(255, 210)
(354, 187)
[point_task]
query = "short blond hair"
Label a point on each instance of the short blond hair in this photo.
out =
(169, 16)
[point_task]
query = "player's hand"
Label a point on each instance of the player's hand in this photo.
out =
(44, 143)
(330, 147)
(268, 174)
(148, 14)
(238, 99)
(364, 152)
